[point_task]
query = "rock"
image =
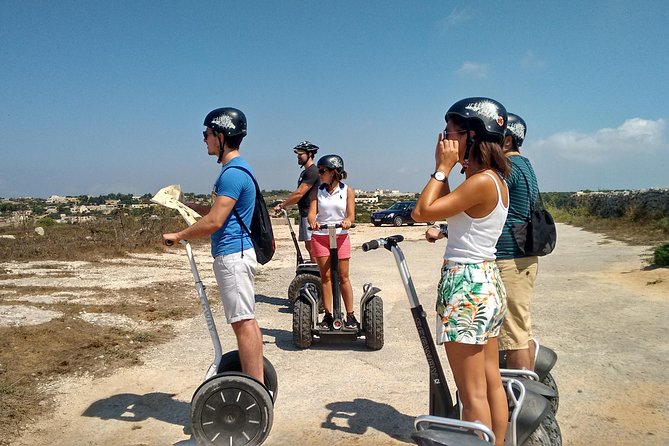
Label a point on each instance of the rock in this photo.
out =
(39, 231)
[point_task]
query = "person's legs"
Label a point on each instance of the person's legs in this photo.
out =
(467, 362)
(497, 401)
(326, 281)
(515, 337)
(249, 342)
(345, 282)
(304, 235)
(235, 275)
(307, 244)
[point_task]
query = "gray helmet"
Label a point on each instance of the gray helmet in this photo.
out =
(516, 128)
(226, 120)
(487, 116)
(307, 147)
(333, 162)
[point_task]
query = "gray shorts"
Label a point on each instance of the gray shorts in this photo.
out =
(304, 233)
(235, 276)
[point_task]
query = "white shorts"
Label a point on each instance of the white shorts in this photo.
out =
(304, 233)
(235, 276)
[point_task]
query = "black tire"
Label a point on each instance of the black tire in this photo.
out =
(231, 409)
(302, 323)
(230, 362)
(552, 427)
(550, 382)
(372, 320)
(397, 221)
(539, 437)
(430, 223)
(303, 279)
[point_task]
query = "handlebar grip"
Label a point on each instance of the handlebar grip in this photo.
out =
(169, 243)
(370, 245)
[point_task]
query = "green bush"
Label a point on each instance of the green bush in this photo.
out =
(45, 222)
(661, 257)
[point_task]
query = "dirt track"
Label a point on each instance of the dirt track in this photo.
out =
(594, 305)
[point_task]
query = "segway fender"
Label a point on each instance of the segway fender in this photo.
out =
(545, 359)
(230, 363)
(530, 414)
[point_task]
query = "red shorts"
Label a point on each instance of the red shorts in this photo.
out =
(320, 246)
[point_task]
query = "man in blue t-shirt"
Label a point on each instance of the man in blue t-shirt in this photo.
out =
(518, 271)
(231, 246)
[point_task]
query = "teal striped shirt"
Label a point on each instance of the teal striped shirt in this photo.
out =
(521, 194)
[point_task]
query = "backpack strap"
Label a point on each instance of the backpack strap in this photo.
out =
(234, 208)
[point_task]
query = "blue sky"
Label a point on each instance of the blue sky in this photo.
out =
(99, 97)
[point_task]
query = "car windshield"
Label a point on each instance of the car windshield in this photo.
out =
(399, 206)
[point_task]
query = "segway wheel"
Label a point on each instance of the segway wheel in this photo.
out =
(230, 362)
(231, 409)
(539, 437)
(550, 382)
(303, 279)
(302, 323)
(552, 428)
(372, 320)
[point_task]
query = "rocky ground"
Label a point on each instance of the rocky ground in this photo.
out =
(596, 304)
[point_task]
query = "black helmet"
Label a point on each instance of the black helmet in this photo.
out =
(306, 146)
(333, 162)
(487, 112)
(516, 128)
(226, 120)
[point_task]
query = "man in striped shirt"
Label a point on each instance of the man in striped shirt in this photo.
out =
(518, 271)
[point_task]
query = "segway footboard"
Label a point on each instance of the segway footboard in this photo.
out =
(439, 431)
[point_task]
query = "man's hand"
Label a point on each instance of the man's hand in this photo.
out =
(433, 234)
(171, 239)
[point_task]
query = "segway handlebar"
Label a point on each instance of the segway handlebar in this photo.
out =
(385, 242)
(171, 243)
(336, 225)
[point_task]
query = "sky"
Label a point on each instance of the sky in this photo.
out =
(102, 97)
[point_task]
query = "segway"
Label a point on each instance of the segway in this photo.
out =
(306, 273)
(531, 421)
(230, 407)
(305, 310)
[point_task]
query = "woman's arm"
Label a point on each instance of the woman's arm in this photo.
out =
(350, 209)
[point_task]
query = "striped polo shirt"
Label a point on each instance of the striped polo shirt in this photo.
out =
(521, 194)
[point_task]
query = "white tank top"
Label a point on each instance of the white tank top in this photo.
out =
(473, 240)
(331, 207)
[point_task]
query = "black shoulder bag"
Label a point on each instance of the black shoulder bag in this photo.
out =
(537, 235)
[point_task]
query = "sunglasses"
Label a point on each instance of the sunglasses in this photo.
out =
(205, 134)
(321, 171)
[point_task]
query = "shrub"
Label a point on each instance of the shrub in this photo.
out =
(661, 257)
(45, 222)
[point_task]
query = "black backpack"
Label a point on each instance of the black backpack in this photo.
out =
(261, 232)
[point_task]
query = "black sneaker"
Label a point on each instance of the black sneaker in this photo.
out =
(327, 321)
(351, 321)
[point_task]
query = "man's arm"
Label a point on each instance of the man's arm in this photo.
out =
(208, 224)
(293, 198)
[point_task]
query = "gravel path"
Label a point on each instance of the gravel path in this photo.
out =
(594, 305)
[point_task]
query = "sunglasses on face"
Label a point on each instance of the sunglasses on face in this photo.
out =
(205, 134)
(321, 171)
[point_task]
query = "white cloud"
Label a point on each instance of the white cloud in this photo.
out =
(457, 15)
(529, 61)
(473, 69)
(634, 136)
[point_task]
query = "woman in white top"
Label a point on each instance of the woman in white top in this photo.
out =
(333, 203)
(471, 300)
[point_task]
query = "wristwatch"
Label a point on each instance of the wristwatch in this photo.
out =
(439, 176)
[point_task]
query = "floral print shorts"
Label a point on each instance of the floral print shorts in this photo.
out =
(471, 303)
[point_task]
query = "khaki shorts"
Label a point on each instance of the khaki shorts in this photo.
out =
(304, 233)
(518, 276)
(235, 276)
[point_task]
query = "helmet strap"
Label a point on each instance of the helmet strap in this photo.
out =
(470, 142)
(220, 148)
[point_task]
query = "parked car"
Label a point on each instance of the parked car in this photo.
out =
(397, 214)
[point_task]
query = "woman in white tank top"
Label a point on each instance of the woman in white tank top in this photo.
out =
(333, 203)
(471, 300)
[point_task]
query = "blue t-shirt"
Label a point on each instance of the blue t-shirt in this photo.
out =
(238, 185)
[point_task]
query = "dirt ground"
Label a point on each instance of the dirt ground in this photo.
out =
(596, 304)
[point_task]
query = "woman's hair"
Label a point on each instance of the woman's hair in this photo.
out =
(486, 149)
(339, 175)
